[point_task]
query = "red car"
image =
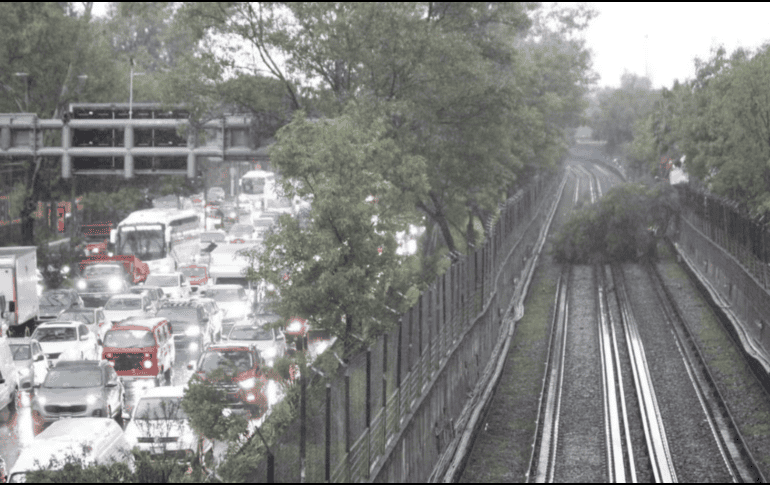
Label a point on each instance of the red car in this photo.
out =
(137, 270)
(244, 382)
(197, 275)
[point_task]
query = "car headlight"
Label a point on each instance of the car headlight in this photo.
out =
(248, 383)
(194, 346)
(41, 400)
(192, 331)
(81, 285)
(23, 372)
(92, 399)
(115, 284)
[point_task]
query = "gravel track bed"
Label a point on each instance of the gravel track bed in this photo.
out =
(644, 472)
(581, 454)
(691, 444)
(747, 400)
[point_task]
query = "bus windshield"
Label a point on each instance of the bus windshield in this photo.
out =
(145, 242)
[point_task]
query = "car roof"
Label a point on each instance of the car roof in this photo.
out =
(77, 309)
(59, 323)
(164, 391)
(131, 296)
(79, 363)
(226, 346)
(139, 289)
(148, 323)
(75, 429)
(166, 274)
(177, 303)
(224, 287)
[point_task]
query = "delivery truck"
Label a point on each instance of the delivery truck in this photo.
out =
(18, 284)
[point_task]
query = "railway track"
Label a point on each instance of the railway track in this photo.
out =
(736, 455)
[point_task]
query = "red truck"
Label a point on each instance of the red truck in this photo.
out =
(136, 269)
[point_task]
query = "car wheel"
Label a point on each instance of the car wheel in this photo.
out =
(167, 376)
(37, 423)
(14, 403)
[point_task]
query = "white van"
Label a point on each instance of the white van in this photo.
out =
(99, 441)
(9, 378)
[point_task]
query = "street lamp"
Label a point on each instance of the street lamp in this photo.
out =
(26, 88)
(131, 89)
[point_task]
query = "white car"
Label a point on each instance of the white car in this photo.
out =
(66, 341)
(120, 307)
(174, 285)
(270, 342)
(159, 425)
(235, 303)
(216, 314)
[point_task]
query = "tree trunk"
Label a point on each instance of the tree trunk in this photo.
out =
(470, 234)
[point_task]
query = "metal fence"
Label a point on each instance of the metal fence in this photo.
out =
(731, 252)
(391, 411)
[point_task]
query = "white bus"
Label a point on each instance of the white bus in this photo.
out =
(257, 187)
(162, 238)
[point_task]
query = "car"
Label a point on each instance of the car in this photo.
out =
(74, 389)
(216, 315)
(233, 300)
(298, 331)
(190, 323)
(31, 363)
(94, 318)
(197, 275)
(174, 285)
(154, 293)
(100, 281)
(209, 241)
(9, 379)
(244, 383)
(216, 194)
(242, 233)
(141, 348)
(101, 440)
(120, 307)
(159, 425)
(270, 342)
(66, 340)
(53, 302)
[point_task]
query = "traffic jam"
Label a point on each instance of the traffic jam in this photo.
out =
(157, 299)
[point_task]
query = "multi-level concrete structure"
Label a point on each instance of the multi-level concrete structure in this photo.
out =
(101, 139)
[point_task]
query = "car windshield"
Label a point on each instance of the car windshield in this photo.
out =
(179, 314)
(146, 242)
(253, 186)
(129, 339)
(59, 378)
(78, 316)
(123, 304)
(55, 299)
(226, 295)
(55, 334)
(211, 360)
(250, 333)
(194, 272)
(21, 352)
(234, 280)
(212, 237)
(103, 269)
(157, 408)
(162, 281)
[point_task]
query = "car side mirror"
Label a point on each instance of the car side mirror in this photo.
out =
(99, 342)
(36, 386)
(190, 366)
(279, 336)
(39, 358)
(84, 337)
(112, 384)
(50, 366)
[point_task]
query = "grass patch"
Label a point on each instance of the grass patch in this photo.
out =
(503, 445)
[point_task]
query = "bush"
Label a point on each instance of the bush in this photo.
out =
(624, 225)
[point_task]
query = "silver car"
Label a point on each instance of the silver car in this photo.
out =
(270, 342)
(73, 389)
(31, 363)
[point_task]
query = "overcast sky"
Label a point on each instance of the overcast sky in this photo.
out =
(677, 33)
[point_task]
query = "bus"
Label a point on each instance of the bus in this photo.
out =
(256, 188)
(163, 238)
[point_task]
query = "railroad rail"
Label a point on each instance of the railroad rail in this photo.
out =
(654, 429)
(736, 455)
(542, 462)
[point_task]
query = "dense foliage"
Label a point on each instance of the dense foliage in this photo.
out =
(623, 225)
(720, 123)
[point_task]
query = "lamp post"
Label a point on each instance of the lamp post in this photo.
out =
(131, 89)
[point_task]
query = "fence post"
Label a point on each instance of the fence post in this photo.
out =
(368, 410)
(384, 392)
(347, 424)
(398, 371)
(302, 416)
(328, 455)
